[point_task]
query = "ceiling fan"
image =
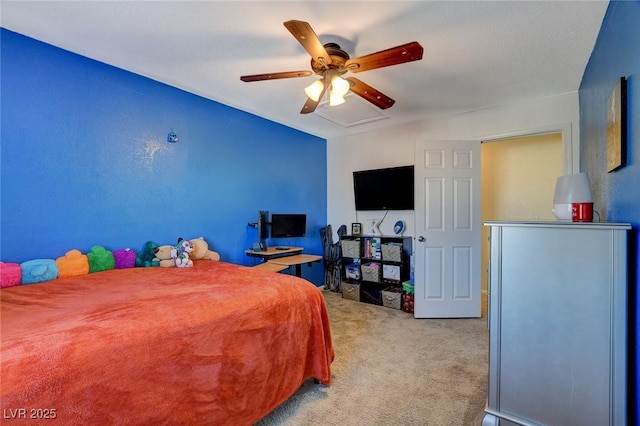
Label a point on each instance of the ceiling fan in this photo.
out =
(331, 62)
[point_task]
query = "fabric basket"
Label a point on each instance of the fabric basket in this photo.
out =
(392, 298)
(371, 272)
(351, 291)
(392, 252)
(350, 248)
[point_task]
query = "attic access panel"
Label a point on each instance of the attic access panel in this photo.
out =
(353, 112)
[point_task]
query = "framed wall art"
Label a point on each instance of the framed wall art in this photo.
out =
(617, 126)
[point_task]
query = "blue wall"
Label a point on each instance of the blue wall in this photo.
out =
(85, 161)
(617, 194)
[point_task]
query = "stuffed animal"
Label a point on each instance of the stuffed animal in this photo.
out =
(166, 255)
(100, 259)
(147, 256)
(10, 274)
(72, 264)
(125, 258)
(201, 250)
(183, 248)
(38, 271)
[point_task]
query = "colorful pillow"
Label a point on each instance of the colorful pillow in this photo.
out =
(125, 258)
(10, 274)
(73, 263)
(100, 259)
(38, 271)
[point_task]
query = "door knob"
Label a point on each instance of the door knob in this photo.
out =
(422, 239)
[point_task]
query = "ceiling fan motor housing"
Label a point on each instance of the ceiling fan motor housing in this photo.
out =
(338, 58)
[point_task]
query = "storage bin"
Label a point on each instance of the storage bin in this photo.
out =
(391, 274)
(350, 248)
(392, 252)
(392, 297)
(351, 291)
(371, 272)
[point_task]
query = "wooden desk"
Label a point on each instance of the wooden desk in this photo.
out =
(296, 260)
(271, 267)
(272, 252)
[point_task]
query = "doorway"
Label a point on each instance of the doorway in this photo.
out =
(518, 177)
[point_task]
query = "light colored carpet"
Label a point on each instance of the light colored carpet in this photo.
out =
(393, 369)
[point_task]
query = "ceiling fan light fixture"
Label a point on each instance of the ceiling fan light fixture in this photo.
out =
(314, 90)
(335, 100)
(339, 86)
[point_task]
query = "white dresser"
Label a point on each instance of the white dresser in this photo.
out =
(557, 324)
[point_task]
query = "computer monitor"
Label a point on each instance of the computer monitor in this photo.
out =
(288, 225)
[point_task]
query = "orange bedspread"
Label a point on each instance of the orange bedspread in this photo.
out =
(214, 344)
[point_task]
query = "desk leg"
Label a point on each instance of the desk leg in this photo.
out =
(298, 270)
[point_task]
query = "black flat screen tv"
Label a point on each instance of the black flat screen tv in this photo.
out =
(288, 225)
(384, 189)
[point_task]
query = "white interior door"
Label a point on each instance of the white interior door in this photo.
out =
(448, 229)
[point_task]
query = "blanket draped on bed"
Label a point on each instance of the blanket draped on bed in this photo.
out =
(213, 344)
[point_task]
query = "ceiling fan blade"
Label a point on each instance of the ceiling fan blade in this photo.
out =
(305, 35)
(385, 58)
(311, 105)
(275, 75)
(370, 94)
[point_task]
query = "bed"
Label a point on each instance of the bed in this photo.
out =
(214, 344)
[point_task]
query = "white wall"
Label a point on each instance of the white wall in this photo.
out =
(395, 147)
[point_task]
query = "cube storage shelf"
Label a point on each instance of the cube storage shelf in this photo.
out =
(374, 264)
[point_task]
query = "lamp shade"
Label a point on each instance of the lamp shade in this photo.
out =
(339, 86)
(314, 90)
(573, 188)
(335, 100)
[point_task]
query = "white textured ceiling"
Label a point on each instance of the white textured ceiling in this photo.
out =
(477, 54)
